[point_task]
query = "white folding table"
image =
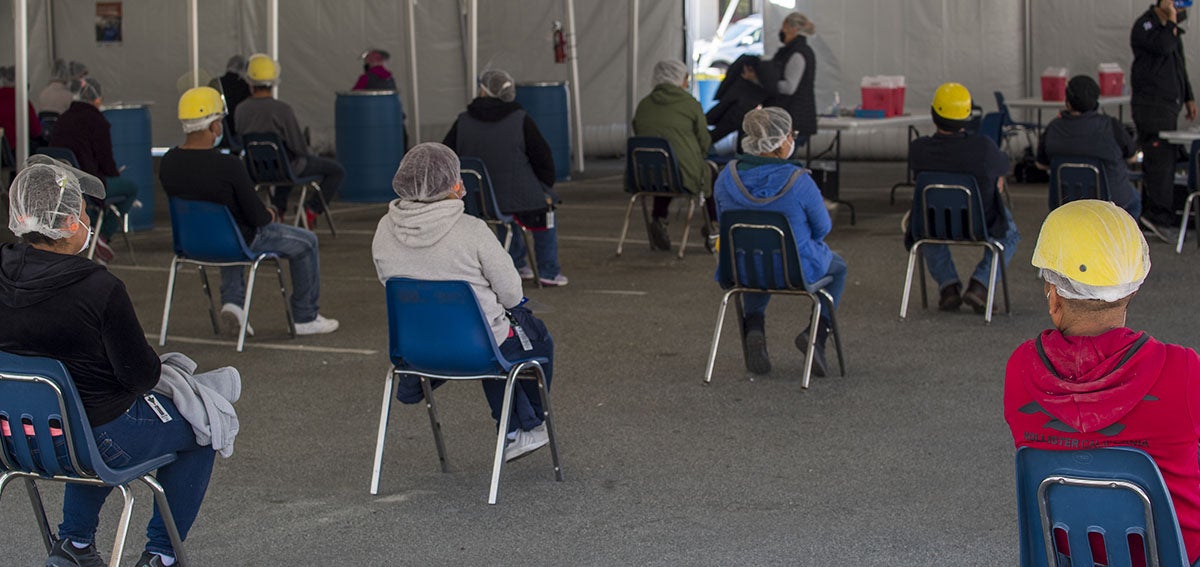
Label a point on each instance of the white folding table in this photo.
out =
(1039, 105)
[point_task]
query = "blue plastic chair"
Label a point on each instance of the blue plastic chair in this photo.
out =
(1011, 127)
(67, 156)
(651, 170)
(437, 331)
(480, 202)
(268, 164)
(947, 209)
(39, 408)
(992, 127)
(205, 235)
(1075, 177)
(758, 255)
(1193, 179)
(1112, 495)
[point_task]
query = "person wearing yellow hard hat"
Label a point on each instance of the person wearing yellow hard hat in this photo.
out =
(952, 150)
(263, 114)
(196, 171)
(1092, 381)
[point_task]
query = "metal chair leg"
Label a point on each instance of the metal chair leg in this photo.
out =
(1004, 286)
(912, 264)
(647, 220)
(287, 302)
(544, 392)
(687, 226)
(164, 509)
(833, 329)
(921, 271)
(625, 227)
(712, 353)
(162, 334)
(531, 255)
(246, 306)
(91, 255)
(991, 297)
(502, 436)
(212, 311)
(435, 424)
(328, 212)
(813, 324)
(39, 511)
(122, 526)
(1187, 211)
(125, 235)
(384, 413)
(301, 218)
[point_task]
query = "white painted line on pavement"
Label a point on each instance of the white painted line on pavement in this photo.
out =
(615, 292)
(269, 346)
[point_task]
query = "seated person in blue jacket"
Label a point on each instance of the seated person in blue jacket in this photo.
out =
(953, 150)
(1081, 131)
(763, 179)
(59, 305)
(426, 236)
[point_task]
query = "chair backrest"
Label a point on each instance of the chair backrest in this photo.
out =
(1111, 499)
(206, 232)
(38, 406)
(947, 206)
(992, 126)
(61, 154)
(480, 200)
(650, 166)
(48, 119)
(266, 158)
(1073, 178)
(438, 327)
(758, 251)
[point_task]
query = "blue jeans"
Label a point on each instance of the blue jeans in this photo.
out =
(941, 265)
(136, 436)
(331, 173)
(299, 246)
(545, 245)
(756, 303)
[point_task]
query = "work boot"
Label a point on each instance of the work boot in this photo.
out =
(820, 368)
(754, 344)
(950, 299)
(976, 297)
(659, 238)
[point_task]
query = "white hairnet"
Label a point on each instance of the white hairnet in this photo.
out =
(61, 71)
(76, 70)
(198, 124)
(44, 198)
(498, 84)
(427, 173)
(670, 71)
(85, 89)
(766, 129)
(236, 64)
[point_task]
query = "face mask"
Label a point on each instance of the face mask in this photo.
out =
(782, 37)
(217, 141)
(86, 242)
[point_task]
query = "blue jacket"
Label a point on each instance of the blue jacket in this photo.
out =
(803, 205)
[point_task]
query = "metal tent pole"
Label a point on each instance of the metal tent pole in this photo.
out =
(472, 49)
(573, 47)
(632, 51)
(194, 41)
(21, 60)
(273, 36)
(412, 66)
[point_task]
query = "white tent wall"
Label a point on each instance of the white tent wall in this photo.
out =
(39, 64)
(974, 42)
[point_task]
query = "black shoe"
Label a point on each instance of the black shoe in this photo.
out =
(950, 299)
(755, 344)
(976, 297)
(659, 238)
(149, 560)
(63, 554)
(1163, 232)
(819, 368)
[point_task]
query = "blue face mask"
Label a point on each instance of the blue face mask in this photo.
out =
(217, 141)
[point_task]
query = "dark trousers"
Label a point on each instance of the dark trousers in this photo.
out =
(1158, 163)
(331, 174)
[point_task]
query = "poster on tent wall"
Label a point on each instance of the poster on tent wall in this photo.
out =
(108, 22)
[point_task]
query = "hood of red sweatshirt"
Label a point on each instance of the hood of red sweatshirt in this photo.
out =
(1089, 383)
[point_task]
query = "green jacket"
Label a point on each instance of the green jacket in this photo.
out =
(672, 113)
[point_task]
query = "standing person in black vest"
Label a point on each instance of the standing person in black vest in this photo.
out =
(789, 77)
(1160, 89)
(496, 129)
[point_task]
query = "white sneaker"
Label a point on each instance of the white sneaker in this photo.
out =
(526, 443)
(526, 272)
(231, 320)
(557, 281)
(318, 326)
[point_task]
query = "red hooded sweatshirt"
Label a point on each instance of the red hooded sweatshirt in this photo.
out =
(1121, 388)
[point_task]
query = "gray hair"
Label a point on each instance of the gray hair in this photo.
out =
(800, 23)
(670, 71)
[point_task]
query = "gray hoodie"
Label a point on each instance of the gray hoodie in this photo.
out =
(436, 241)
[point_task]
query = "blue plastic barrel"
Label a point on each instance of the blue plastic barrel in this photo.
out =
(546, 103)
(130, 134)
(706, 88)
(370, 143)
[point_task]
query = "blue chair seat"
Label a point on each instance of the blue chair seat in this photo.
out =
(651, 170)
(204, 234)
(421, 315)
(38, 396)
(758, 255)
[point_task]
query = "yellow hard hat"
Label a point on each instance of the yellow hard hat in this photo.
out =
(200, 102)
(952, 101)
(1095, 245)
(261, 70)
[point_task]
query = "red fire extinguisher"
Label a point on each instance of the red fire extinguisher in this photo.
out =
(560, 44)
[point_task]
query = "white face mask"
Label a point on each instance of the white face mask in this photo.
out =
(87, 241)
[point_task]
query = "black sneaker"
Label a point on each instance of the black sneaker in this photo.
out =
(659, 238)
(976, 297)
(757, 360)
(819, 368)
(63, 554)
(149, 560)
(1165, 233)
(950, 298)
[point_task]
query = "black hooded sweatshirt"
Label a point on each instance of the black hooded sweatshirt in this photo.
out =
(72, 310)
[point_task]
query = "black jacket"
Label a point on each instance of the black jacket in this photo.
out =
(489, 109)
(801, 105)
(83, 129)
(209, 175)
(1159, 72)
(72, 310)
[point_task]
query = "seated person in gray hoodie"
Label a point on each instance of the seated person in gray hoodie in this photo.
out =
(426, 236)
